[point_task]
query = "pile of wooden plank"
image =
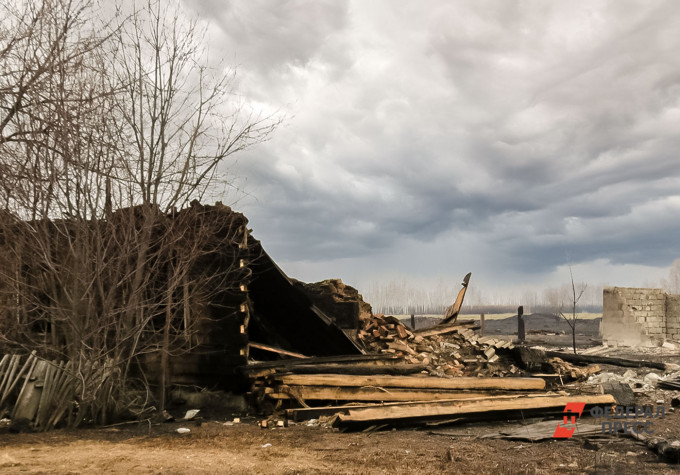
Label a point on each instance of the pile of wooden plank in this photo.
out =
(428, 376)
(445, 350)
(369, 392)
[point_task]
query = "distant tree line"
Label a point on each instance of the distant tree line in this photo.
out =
(477, 309)
(402, 297)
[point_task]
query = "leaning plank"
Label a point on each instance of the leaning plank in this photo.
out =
(366, 394)
(44, 401)
(3, 373)
(28, 401)
(273, 349)
(63, 397)
(32, 360)
(452, 312)
(588, 359)
(414, 382)
(9, 373)
(434, 411)
(305, 413)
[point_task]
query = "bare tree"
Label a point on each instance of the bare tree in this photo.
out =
(107, 133)
(575, 297)
(672, 284)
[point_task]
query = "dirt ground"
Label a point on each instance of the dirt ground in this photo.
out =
(216, 445)
(212, 447)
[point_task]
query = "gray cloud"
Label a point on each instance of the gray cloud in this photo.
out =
(536, 132)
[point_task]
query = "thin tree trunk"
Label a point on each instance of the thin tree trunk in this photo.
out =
(165, 350)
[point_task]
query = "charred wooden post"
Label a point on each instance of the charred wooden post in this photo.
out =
(481, 330)
(520, 324)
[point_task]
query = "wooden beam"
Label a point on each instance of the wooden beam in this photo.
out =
(273, 349)
(360, 368)
(588, 359)
(301, 414)
(334, 393)
(490, 405)
(322, 360)
(441, 329)
(413, 382)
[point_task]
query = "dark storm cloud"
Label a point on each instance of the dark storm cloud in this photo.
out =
(539, 132)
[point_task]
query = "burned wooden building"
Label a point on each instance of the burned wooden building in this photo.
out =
(191, 295)
(260, 313)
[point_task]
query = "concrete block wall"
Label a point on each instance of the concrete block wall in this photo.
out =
(636, 316)
(673, 317)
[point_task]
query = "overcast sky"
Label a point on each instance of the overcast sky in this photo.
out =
(429, 139)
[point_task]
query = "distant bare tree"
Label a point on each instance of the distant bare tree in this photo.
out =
(575, 297)
(672, 284)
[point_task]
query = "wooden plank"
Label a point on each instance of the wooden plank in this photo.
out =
(28, 402)
(452, 311)
(3, 373)
(44, 401)
(305, 413)
(321, 360)
(9, 372)
(413, 382)
(531, 432)
(492, 405)
(334, 393)
(440, 329)
(588, 359)
(32, 360)
(64, 396)
(273, 349)
(364, 369)
(595, 350)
